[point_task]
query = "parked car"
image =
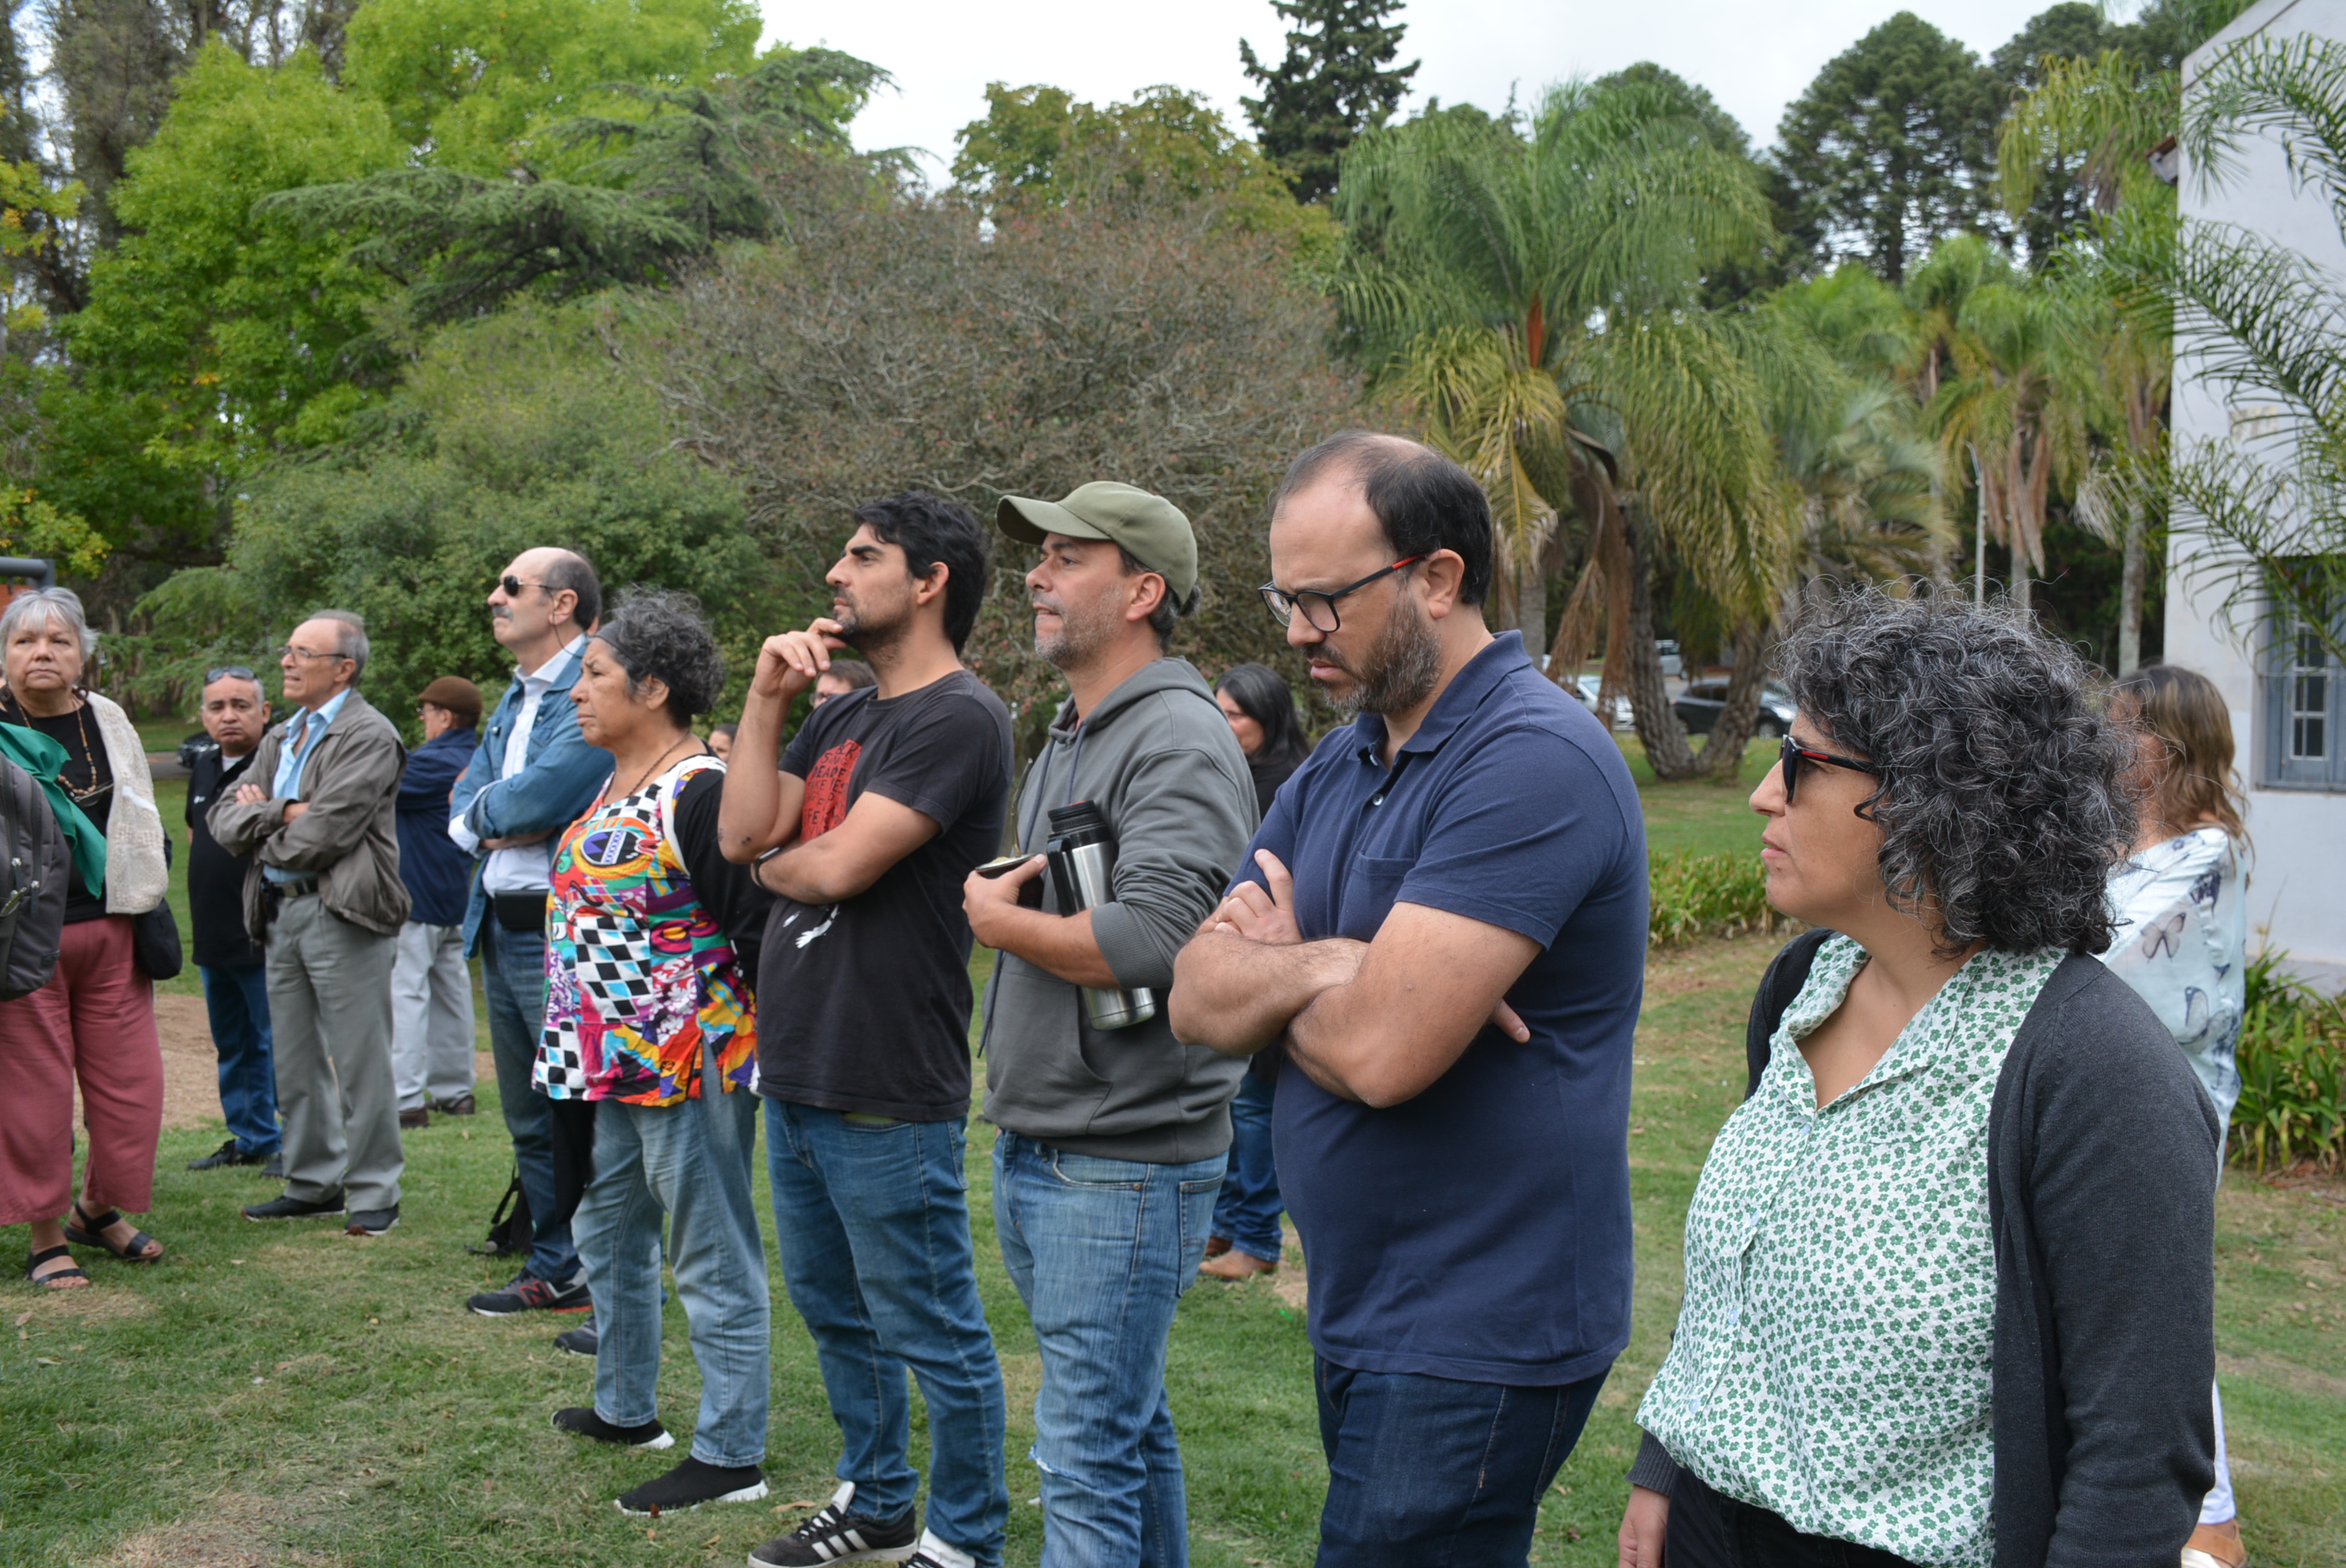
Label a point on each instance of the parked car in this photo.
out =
(1673, 666)
(1587, 688)
(1699, 707)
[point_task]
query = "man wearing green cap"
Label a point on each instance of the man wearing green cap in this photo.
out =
(1113, 1138)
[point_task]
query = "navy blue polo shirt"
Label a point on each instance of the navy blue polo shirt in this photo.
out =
(1480, 1231)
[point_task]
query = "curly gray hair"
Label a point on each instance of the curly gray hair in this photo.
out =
(2003, 801)
(659, 634)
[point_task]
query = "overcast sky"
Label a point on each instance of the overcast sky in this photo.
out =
(1754, 56)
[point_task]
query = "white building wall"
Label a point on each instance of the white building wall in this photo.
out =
(2298, 895)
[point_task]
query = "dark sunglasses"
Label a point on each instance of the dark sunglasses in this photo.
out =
(1796, 754)
(1314, 605)
(512, 586)
(228, 672)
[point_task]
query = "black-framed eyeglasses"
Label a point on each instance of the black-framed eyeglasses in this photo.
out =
(512, 586)
(1315, 604)
(229, 672)
(1796, 754)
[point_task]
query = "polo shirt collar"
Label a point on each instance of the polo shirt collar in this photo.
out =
(1482, 675)
(305, 719)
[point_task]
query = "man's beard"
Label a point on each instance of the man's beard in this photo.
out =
(1083, 631)
(869, 635)
(1399, 670)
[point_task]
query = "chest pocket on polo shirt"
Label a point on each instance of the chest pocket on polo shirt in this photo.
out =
(1370, 884)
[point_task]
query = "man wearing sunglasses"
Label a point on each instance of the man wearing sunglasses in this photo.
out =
(1441, 935)
(530, 777)
(236, 983)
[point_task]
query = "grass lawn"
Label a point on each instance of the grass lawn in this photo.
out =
(289, 1395)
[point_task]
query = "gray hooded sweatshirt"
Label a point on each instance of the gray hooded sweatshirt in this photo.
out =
(1159, 759)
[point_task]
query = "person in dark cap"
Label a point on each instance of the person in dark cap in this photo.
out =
(1114, 1135)
(430, 990)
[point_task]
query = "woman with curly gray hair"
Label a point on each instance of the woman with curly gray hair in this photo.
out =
(1968, 1157)
(651, 952)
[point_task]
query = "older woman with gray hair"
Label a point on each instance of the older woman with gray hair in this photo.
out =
(93, 1023)
(1969, 1157)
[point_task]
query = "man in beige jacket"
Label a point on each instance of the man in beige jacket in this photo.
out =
(323, 896)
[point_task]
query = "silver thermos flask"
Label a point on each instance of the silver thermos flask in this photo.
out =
(1083, 864)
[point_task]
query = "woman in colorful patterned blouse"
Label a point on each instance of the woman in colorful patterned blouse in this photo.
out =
(2182, 937)
(651, 949)
(1968, 1158)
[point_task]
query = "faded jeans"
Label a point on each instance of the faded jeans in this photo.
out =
(513, 981)
(690, 1162)
(1101, 1252)
(872, 1220)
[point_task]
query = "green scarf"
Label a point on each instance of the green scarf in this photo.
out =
(41, 757)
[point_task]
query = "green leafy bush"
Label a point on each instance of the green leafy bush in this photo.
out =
(1707, 895)
(2292, 1060)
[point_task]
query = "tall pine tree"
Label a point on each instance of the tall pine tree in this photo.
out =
(1338, 80)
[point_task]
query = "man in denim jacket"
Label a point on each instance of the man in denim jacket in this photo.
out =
(530, 778)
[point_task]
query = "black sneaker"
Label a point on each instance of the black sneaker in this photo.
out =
(528, 1293)
(292, 1208)
(228, 1154)
(372, 1221)
(275, 1169)
(583, 1341)
(692, 1483)
(839, 1534)
(586, 1423)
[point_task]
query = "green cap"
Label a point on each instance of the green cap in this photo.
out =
(1151, 527)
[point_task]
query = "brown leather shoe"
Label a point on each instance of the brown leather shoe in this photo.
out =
(1217, 1244)
(419, 1117)
(1235, 1265)
(461, 1106)
(2216, 1546)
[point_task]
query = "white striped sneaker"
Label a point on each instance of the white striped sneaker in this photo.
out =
(838, 1534)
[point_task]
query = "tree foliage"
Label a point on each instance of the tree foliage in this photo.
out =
(1336, 80)
(1892, 147)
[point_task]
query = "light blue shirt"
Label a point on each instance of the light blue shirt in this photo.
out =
(301, 733)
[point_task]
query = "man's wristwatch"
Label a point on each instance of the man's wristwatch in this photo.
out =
(758, 866)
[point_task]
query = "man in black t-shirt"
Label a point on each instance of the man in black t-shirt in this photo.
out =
(864, 829)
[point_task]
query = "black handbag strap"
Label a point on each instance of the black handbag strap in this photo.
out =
(1786, 974)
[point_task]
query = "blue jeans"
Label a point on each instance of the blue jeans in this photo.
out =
(1427, 1471)
(513, 981)
(691, 1162)
(872, 1220)
(238, 999)
(1248, 1212)
(1101, 1252)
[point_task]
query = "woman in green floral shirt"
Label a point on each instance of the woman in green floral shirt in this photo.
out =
(1944, 1260)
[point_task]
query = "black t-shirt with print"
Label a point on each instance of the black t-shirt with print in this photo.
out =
(863, 1006)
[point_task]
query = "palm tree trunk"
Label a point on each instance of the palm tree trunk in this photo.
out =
(1979, 533)
(1530, 606)
(2019, 571)
(2130, 595)
(1664, 737)
(1722, 751)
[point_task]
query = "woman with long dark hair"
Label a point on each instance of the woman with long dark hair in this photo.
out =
(2181, 901)
(1969, 1157)
(1245, 1239)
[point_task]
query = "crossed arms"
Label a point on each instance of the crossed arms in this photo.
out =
(1375, 1022)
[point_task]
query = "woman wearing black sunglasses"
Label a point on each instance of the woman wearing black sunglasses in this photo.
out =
(1966, 1156)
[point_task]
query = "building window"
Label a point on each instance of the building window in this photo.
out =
(2305, 709)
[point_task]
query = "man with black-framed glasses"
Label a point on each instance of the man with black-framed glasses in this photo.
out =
(530, 777)
(231, 964)
(1440, 943)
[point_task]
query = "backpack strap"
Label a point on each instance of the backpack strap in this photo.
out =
(1786, 974)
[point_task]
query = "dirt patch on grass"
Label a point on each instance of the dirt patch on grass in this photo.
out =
(93, 1304)
(233, 1532)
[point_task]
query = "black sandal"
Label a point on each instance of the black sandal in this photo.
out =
(95, 1236)
(48, 1281)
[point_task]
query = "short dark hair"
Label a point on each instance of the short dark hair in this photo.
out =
(854, 672)
(659, 634)
(1425, 500)
(1264, 696)
(1168, 610)
(2003, 800)
(573, 571)
(933, 531)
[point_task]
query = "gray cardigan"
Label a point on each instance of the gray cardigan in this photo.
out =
(2105, 1226)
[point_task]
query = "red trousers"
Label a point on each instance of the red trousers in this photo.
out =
(94, 1022)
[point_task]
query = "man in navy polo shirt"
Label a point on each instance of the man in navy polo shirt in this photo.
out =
(1443, 932)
